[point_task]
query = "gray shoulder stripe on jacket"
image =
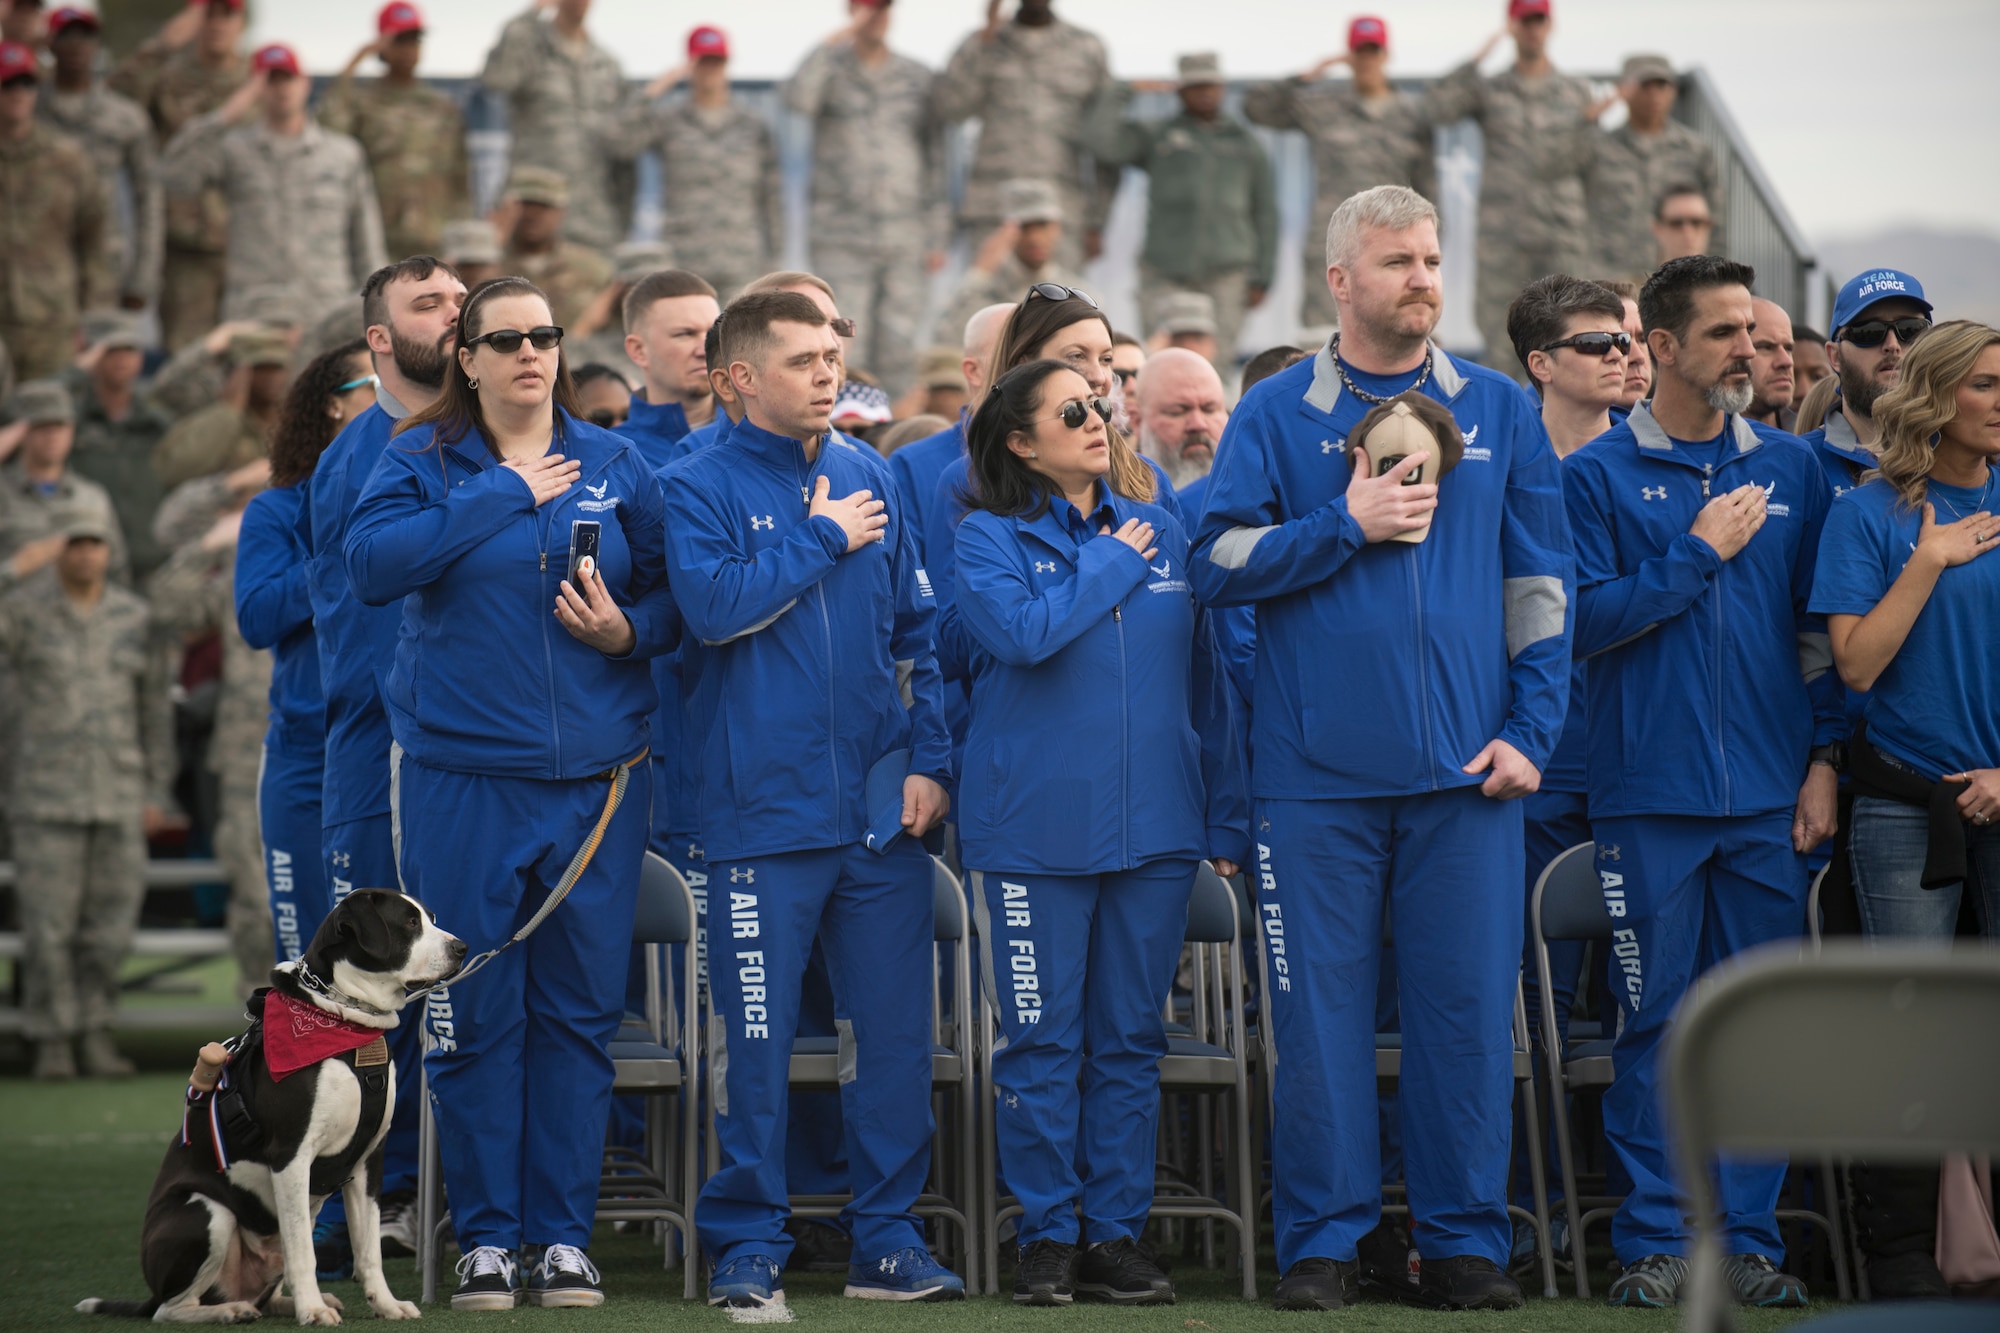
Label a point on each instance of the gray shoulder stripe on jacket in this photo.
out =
(765, 623)
(1232, 549)
(1535, 607)
(1815, 656)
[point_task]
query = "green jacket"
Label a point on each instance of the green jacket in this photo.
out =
(1213, 204)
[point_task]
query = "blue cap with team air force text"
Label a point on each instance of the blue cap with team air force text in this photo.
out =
(1877, 284)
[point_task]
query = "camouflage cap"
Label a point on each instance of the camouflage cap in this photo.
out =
(113, 328)
(1025, 200)
(42, 403)
(1187, 312)
(1199, 69)
(1645, 69)
(538, 185)
(469, 241)
(271, 303)
(81, 518)
(633, 260)
(939, 368)
(260, 347)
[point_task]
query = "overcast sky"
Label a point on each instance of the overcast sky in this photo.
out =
(1864, 114)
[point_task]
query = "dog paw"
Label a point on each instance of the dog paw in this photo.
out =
(238, 1312)
(332, 1300)
(319, 1314)
(391, 1308)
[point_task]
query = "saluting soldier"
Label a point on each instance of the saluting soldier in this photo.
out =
(569, 273)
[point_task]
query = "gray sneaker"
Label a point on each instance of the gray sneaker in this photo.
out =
(1755, 1280)
(1653, 1282)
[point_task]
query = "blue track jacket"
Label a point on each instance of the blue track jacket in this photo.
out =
(655, 431)
(1699, 667)
(1839, 452)
(917, 466)
(274, 611)
(1383, 668)
(486, 679)
(357, 642)
(1102, 734)
(794, 646)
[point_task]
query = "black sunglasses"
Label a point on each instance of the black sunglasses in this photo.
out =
(508, 341)
(606, 418)
(1876, 331)
(842, 328)
(1076, 411)
(1595, 344)
(1055, 291)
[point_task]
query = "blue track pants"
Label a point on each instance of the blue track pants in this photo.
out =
(520, 1078)
(288, 810)
(872, 914)
(1077, 963)
(1684, 893)
(1449, 866)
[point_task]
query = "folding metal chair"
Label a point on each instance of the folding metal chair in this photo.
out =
(1877, 1050)
(1569, 905)
(1212, 1062)
(656, 1067)
(816, 1061)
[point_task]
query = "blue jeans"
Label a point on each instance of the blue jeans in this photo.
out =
(1887, 846)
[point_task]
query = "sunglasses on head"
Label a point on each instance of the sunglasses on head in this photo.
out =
(508, 341)
(1875, 332)
(842, 328)
(1055, 291)
(1076, 411)
(1595, 344)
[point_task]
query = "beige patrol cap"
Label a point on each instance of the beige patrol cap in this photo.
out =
(939, 368)
(1188, 312)
(1205, 67)
(1028, 200)
(260, 347)
(42, 403)
(469, 241)
(1646, 68)
(538, 185)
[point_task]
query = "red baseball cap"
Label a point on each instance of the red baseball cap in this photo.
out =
(708, 41)
(276, 58)
(71, 17)
(1367, 31)
(236, 5)
(17, 61)
(1521, 9)
(398, 17)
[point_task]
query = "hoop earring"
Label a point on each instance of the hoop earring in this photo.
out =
(472, 384)
(1935, 436)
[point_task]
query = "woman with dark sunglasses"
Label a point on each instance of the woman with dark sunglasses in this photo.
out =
(519, 701)
(1101, 766)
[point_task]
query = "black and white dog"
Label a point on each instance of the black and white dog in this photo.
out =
(302, 1111)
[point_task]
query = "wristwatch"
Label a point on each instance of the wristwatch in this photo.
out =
(1834, 756)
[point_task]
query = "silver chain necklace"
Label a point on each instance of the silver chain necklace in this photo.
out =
(1346, 382)
(1983, 494)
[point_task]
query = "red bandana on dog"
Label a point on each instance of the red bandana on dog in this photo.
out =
(297, 1034)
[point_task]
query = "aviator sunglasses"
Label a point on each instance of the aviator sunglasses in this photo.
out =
(1595, 344)
(1055, 291)
(1076, 411)
(1875, 332)
(508, 341)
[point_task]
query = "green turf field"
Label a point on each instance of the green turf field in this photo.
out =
(77, 1160)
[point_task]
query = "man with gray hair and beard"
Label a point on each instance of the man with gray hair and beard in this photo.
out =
(1707, 786)
(1412, 673)
(1181, 415)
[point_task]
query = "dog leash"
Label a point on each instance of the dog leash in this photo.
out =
(621, 778)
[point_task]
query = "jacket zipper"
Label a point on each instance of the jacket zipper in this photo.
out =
(548, 650)
(1423, 670)
(826, 641)
(1124, 747)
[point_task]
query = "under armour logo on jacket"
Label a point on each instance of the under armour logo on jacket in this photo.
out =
(343, 859)
(1328, 446)
(1652, 492)
(766, 523)
(1610, 852)
(739, 875)
(1045, 566)
(597, 491)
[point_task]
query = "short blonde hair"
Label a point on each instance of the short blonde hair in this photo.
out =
(1924, 401)
(1391, 207)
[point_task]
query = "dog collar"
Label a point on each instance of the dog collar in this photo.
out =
(335, 994)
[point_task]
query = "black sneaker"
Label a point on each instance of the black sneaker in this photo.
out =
(487, 1280)
(1318, 1284)
(399, 1224)
(1045, 1274)
(1653, 1282)
(1119, 1271)
(1754, 1280)
(1466, 1282)
(818, 1248)
(1388, 1262)
(562, 1275)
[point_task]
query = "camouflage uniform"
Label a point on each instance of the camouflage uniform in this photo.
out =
(1531, 215)
(1009, 282)
(1030, 88)
(28, 513)
(216, 439)
(302, 212)
(725, 198)
(415, 141)
(119, 139)
(118, 456)
(1357, 143)
(561, 102)
(571, 275)
(173, 87)
(194, 593)
(53, 265)
(878, 197)
(1624, 175)
(95, 746)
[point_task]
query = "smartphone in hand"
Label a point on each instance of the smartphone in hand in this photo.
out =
(584, 535)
